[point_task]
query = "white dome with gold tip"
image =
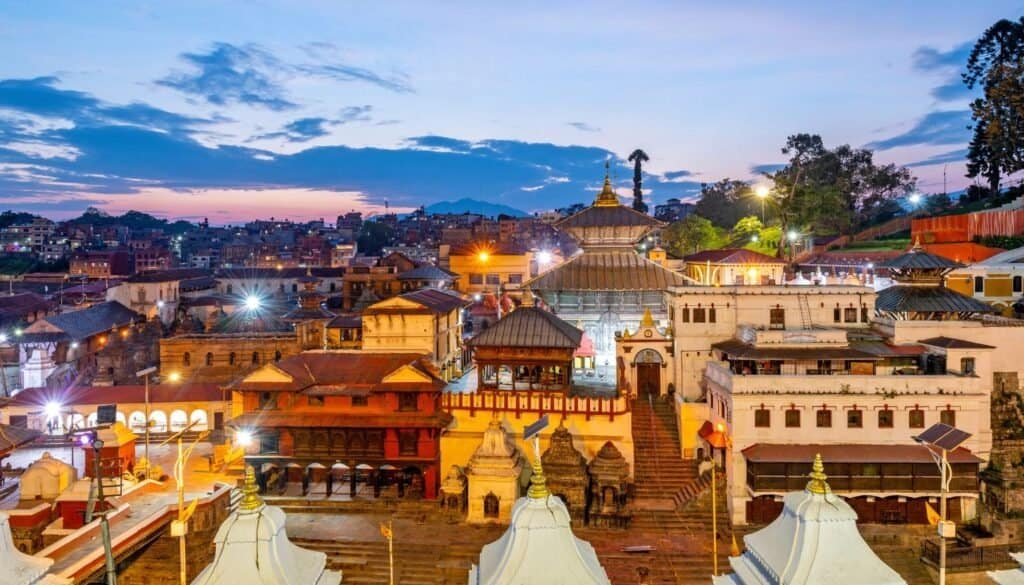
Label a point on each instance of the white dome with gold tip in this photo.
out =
(814, 541)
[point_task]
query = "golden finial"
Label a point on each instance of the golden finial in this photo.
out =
(648, 319)
(250, 492)
(607, 196)
(818, 485)
(538, 484)
(917, 245)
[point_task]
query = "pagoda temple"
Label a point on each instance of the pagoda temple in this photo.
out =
(607, 287)
(309, 317)
(539, 547)
(253, 548)
(814, 540)
(920, 293)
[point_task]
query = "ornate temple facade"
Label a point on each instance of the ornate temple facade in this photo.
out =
(608, 286)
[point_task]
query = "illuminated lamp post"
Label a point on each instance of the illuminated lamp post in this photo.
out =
(145, 375)
(719, 439)
(940, 439)
(762, 192)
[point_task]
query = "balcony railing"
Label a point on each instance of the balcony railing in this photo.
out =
(534, 402)
(967, 558)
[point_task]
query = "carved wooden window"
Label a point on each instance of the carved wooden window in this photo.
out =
(854, 419)
(407, 443)
(948, 417)
(491, 505)
(885, 419)
(777, 318)
(360, 400)
(792, 418)
(824, 418)
(916, 418)
(209, 358)
(186, 359)
(315, 400)
(699, 315)
(231, 359)
(762, 418)
(255, 358)
(407, 401)
(850, 315)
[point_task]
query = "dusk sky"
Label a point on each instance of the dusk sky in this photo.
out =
(234, 110)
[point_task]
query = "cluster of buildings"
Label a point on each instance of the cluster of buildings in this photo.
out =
(405, 378)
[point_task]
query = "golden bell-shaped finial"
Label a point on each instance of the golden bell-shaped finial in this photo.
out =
(607, 196)
(250, 492)
(538, 483)
(648, 319)
(818, 485)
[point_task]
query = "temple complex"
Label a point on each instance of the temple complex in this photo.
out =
(539, 547)
(494, 476)
(567, 472)
(813, 541)
(253, 547)
(608, 286)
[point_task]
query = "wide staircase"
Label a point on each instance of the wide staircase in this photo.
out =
(664, 480)
(366, 563)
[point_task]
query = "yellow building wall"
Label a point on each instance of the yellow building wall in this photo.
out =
(502, 265)
(961, 283)
(998, 286)
(464, 434)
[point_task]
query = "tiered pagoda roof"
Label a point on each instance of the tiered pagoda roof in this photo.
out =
(529, 327)
(919, 291)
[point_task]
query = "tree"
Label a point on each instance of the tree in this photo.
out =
(689, 235)
(938, 203)
(726, 202)
(996, 63)
(638, 157)
(747, 228)
(373, 236)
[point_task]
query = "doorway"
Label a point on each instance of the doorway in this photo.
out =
(648, 373)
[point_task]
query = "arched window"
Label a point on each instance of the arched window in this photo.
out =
(158, 421)
(179, 420)
(199, 420)
(277, 355)
(648, 356)
(209, 358)
(186, 359)
(137, 422)
(229, 289)
(231, 359)
(491, 505)
(255, 358)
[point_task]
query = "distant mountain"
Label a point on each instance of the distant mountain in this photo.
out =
(135, 220)
(474, 206)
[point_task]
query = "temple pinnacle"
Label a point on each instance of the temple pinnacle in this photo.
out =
(250, 492)
(818, 485)
(538, 484)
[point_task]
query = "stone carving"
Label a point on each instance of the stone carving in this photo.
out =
(566, 471)
(609, 487)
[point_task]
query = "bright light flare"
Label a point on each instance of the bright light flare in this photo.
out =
(915, 198)
(477, 297)
(52, 409)
(160, 304)
(483, 256)
(243, 438)
(792, 235)
(720, 427)
(3, 338)
(544, 257)
(174, 377)
(762, 191)
(253, 303)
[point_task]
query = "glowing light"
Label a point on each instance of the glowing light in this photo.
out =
(720, 427)
(483, 256)
(243, 438)
(3, 338)
(160, 304)
(544, 257)
(74, 345)
(174, 377)
(871, 265)
(915, 198)
(477, 297)
(253, 303)
(52, 409)
(761, 191)
(754, 238)
(85, 439)
(792, 235)
(18, 332)
(643, 246)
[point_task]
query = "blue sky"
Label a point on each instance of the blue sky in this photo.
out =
(231, 110)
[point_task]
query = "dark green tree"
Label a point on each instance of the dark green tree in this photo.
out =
(996, 64)
(638, 157)
(689, 235)
(726, 202)
(373, 236)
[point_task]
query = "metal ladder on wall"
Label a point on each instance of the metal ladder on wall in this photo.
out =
(805, 311)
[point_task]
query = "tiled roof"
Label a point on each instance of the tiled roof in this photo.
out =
(14, 437)
(850, 453)
(340, 368)
(16, 307)
(177, 274)
(427, 272)
(94, 320)
(529, 327)
(128, 394)
(733, 256)
(607, 271)
(271, 419)
(439, 301)
(350, 321)
(951, 343)
(927, 299)
(252, 273)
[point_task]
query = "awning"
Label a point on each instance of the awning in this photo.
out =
(738, 350)
(850, 453)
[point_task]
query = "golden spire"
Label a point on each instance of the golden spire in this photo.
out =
(648, 319)
(607, 196)
(250, 499)
(538, 484)
(917, 244)
(818, 485)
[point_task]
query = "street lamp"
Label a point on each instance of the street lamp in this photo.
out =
(253, 303)
(762, 192)
(145, 374)
(544, 257)
(915, 199)
(179, 527)
(940, 439)
(719, 439)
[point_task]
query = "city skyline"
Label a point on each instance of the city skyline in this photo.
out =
(307, 112)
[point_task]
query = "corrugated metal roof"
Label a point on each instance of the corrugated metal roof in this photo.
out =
(927, 299)
(607, 271)
(335, 368)
(14, 437)
(427, 272)
(94, 320)
(529, 327)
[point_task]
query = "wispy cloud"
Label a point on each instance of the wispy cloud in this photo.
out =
(306, 129)
(949, 65)
(935, 128)
(673, 175)
(331, 64)
(766, 168)
(583, 127)
(229, 74)
(953, 156)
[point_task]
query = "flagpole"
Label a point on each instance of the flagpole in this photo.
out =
(391, 551)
